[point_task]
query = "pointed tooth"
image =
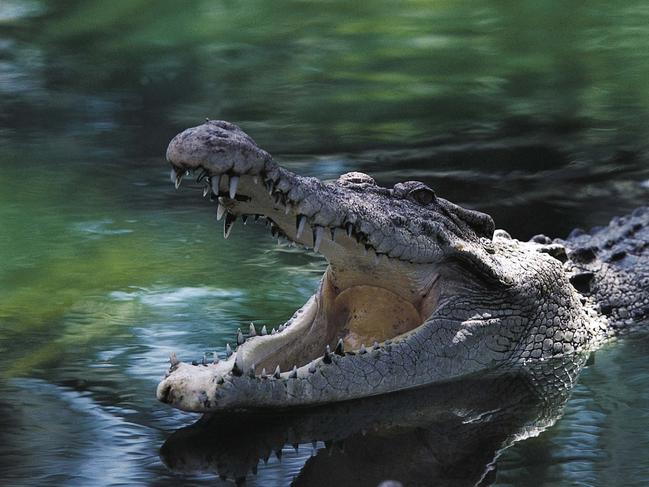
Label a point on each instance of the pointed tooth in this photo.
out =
(179, 178)
(172, 175)
(300, 222)
(234, 182)
(269, 187)
(362, 349)
(237, 368)
(244, 219)
(251, 371)
(215, 182)
(206, 190)
(240, 338)
(263, 373)
(317, 237)
(376, 346)
(277, 373)
(287, 209)
(228, 224)
(273, 331)
(253, 331)
(173, 360)
(340, 347)
(327, 355)
(264, 331)
(312, 369)
(255, 179)
(228, 350)
(220, 211)
(202, 175)
(349, 228)
(293, 374)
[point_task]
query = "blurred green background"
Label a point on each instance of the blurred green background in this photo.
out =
(537, 112)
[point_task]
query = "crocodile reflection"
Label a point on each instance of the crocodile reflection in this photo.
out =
(447, 434)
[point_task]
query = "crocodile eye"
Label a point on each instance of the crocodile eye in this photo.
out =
(422, 195)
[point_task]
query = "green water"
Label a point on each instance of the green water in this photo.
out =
(537, 112)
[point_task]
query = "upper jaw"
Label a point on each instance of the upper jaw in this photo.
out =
(348, 214)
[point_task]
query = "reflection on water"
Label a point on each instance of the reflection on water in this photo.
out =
(536, 112)
(448, 434)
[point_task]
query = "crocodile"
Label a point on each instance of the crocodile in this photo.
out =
(417, 291)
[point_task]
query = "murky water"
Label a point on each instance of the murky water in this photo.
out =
(537, 113)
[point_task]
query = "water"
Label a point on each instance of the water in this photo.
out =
(535, 112)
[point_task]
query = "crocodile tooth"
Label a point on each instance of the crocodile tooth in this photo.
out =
(300, 221)
(340, 347)
(237, 368)
(172, 175)
(202, 175)
(281, 327)
(173, 360)
(362, 349)
(244, 219)
(263, 373)
(220, 211)
(251, 372)
(312, 369)
(240, 338)
(253, 332)
(376, 346)
(273, 331)
(206, 190)
(178, 180)
(264, 331)
(293, 374)
(228, 223)
(215, 182)
(277, 372)
(255, 179)
(228, 350)
(234, 182)
(317, 237)
(269, 187)
(327, 355)
(349, 228)
(287, 209)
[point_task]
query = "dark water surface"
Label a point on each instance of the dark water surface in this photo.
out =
(537, 112)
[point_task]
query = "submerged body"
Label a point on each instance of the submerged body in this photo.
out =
(418, 290)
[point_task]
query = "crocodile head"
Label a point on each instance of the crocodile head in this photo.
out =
(414, 290)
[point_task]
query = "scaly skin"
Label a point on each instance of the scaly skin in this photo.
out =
(454, 297)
